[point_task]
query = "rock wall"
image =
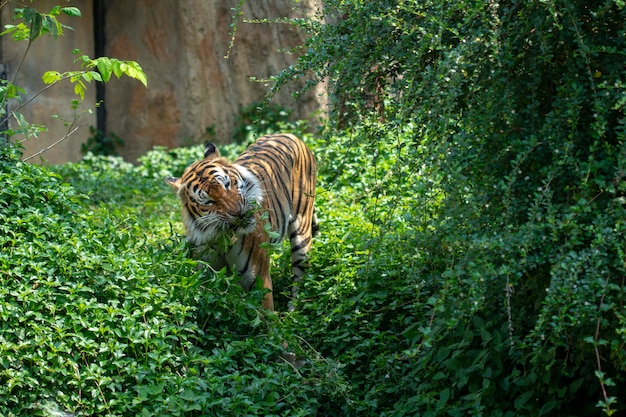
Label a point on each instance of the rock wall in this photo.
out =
(181, 46)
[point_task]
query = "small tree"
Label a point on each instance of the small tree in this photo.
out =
(29, 25)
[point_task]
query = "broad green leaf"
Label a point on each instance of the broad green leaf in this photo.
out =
(95, 76)
(27, 13)
(14, 91)
(105, 67)
(55, 11)
(72, 11)
(35, 26)
(117, 68)
(9, 29)
(19, 117)
(79, 90)
(134, 70)
(50, 77)
(52, 26)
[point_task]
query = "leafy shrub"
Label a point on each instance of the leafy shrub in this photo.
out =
(258, 119)
(515, 112)
(105, 314)
(100, 144)
(413, 305)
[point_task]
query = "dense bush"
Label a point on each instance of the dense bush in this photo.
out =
(104, 313)
(107, 314)
(515, 110)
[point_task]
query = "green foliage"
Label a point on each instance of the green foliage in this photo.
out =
(104, 313)
(511, 117)
(471, 258)
(35, 24)
(107, 313)
(31, 25)
(105, 68)
(100, 144)
(258, 119)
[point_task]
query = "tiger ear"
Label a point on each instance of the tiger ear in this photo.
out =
(210, 151)
(173, 182)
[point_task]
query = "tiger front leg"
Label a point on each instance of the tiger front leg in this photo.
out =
(268, 301)
(264, 273)
(255, 265)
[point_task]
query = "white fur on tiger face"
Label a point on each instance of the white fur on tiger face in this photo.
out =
(217, 199)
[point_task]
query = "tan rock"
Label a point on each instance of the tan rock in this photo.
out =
(191, 85)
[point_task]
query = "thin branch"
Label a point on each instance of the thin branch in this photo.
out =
(235, 18)
(67, 135)
(596, 338)
(7, 118)
(19, 67)
(37, 94)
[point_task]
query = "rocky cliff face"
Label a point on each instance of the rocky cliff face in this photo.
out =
(182, 46)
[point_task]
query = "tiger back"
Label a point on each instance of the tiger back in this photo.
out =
(228, 206)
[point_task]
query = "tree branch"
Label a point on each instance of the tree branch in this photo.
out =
(67, 135)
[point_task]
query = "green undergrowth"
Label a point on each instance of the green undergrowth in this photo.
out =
(104, 312)
(414, 303)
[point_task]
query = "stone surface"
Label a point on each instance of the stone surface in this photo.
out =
(191, 85)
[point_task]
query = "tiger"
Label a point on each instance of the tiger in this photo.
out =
(239, 208)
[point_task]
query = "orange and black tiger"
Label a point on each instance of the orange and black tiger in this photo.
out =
(227, 206)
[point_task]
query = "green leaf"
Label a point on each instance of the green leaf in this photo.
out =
(95, 76)
(105, 67)
(35, 26)
(134, 70)
(79, 89)
(11, 29)
(88, 76)
(71, 11)
(50, 77)
(444, 396)
(522, 401)
(51, 25)
(117, 68)
(20, 119)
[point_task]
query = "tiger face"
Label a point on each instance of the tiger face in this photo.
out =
(217, 198)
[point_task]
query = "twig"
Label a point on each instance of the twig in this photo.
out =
(67, 135)
(596, 337)
(509, 290)
(238, 12)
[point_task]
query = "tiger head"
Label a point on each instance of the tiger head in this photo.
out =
(217, 197)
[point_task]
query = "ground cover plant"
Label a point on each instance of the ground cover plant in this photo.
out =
(105, 314)
(109, 315)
